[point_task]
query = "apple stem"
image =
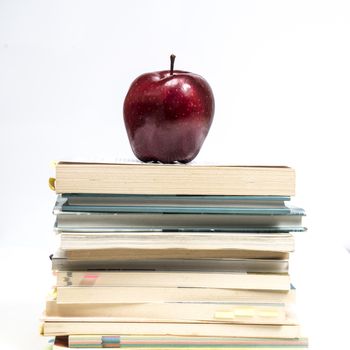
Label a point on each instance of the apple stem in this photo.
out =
(172, 60)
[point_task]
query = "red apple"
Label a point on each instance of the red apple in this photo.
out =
(168, 114)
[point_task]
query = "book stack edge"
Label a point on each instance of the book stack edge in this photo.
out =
(173, 256)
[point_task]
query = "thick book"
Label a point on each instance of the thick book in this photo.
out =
(238, 312)
(138, 342)
(191, 241)
(178, 179)
(126, 294)
(53, 328)
(132, 295)
(61, 262)
(102, 222)
(179, 279)
(96, 255)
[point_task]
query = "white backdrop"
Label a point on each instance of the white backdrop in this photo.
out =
(280, 74)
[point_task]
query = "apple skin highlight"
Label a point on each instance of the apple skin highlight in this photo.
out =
(167, 115)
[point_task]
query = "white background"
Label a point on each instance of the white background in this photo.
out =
(280, 74)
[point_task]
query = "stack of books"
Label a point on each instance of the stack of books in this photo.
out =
(173, 256)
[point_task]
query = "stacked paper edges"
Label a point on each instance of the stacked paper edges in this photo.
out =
(173, 268)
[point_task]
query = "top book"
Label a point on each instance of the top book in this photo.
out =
(174, 179)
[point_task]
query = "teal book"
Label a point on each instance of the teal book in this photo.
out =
(264, 205)
(176, 213)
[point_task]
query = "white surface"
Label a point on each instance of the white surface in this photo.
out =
(280, 75)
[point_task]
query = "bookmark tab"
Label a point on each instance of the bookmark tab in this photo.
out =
(268, 313)
(41, 328)
(89, 279)
(244, 312)
(52, 183)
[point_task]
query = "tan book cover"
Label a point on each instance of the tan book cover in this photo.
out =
(147, 178)
(194, 329)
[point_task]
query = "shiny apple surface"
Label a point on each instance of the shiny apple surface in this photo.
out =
(168, 116)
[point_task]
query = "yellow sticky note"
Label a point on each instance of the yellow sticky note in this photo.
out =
(244, 312)
(268, 313)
